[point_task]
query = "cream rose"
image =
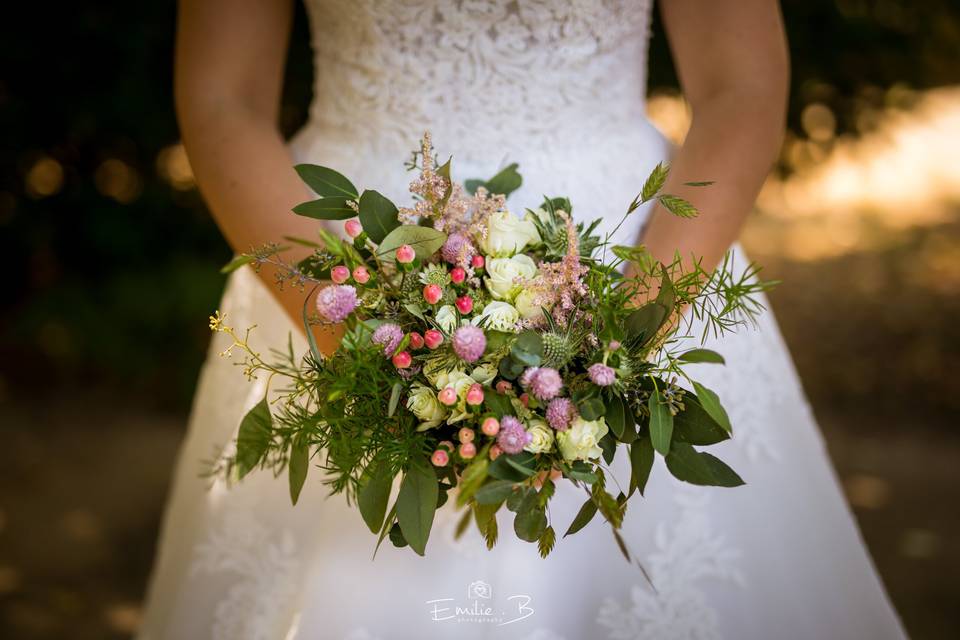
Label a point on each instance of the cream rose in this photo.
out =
(581, 440)
(527, 306)
(499, 316)
(507, 234)
(447, 318)
(484, 374)
(502, 274)
(542, 435)
(461, 383)
(423, 403)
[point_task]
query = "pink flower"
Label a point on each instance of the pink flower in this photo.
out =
(543, 382)
(339, 274)
(353, 228)
(388, 336)
(457, 249)
(336, 302)
(560, 413)
(512, 437)
(469, 343)
(405, 254)
(601, 374)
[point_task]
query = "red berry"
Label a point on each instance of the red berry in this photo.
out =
(432, 293)
(477, 262)
(416, 340)
(465, 304)
(458, 275)
(432, 338)
(402, 360)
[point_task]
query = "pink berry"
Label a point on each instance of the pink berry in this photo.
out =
(446, 444)
(405, 254)
(490, 426)
(353, 228)
(458, 275)
(432, 293)
(416, 340)
(465, 304)
(402, 360)
(432, 338)
(495, 452)
(475, 394)
(448, 396)
(503, 386)
(468, 450)
(465, 434)
(339, 274)
(361, 275)
(477, 262)
(614, 345)
(525, 399)
(440, 458)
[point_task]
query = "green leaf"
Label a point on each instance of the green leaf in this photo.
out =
(253, 438)
(513, 467)
(394, 398)
(444, 172)
(396, 536)
(425, 241)
(591, 408)
(582, 471)
(618, 418)
(701, 183)
(702, 355)
(661, 423)
(641, 462)
(378, 215)
(528, 348)
(472, 479)
(654, 182)
(237, 262)
(373, 496)
(517, 462)
(325, 209)
(667, 296)
(583, 517)
(498, 403)
(297, 469)
(326, 182)
(690, 465)
(311, 339)
(711, 404)
(471, 185)
(417, 503)
(695, 426)
(506, 181)
(678, 206)
(303, 242)
(643, 323)
(485, 515)
(388, 523)
(530, 523)
(494, 492)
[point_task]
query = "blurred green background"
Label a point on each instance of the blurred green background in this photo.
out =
(113, 263)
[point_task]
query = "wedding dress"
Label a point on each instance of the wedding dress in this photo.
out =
(559, 88)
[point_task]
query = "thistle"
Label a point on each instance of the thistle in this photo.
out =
(557, 350)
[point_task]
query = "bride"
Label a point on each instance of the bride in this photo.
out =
(559, 88)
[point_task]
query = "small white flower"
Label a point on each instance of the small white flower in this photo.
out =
(447, 318)
(502, 274)
(542, 434)
(484, 374)
(507, 234)
(581, 440)
(499, 316)
(423, 403)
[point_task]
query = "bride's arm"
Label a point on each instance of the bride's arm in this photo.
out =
(228, 76)
(732, 61)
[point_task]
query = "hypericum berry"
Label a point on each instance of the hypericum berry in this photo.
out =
(525, 399)
(339, 274)
(477, 262)
(475, 395)
(440, 458)
(495, 452)
(361, 275)
(448, 396)
(402, 360)
(432, 293)
(465, 434)
(447, 446)
(464, 304)
(405, 254)
(467, 450)
(432, 338)
(490, 426)
(353, 228)
(503, 386)
(458, 275)
(416, 340)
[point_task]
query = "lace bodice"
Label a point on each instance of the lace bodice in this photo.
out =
(556, 86)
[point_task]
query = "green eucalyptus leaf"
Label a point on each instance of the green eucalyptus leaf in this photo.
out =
(609, 445)
(494, 492)
(373, 496)
(618, 418)
(326, 182)
(695, 426)
(513, 467)
(297, 469)
(701, 355)
(506, 181)
(690, 465)
(641, 462)
(661, 423)
(417, 504)
(642, 324)
(425, 241)
(583, 517)
(253, 438)
(498, 403)
(378, 216)
(711, 404)
(394, 398)
(531, 520)
(333, 208)
(396, 536)
(472, 479)
(591, 408)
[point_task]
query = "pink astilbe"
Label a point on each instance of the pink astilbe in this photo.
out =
(559, 286)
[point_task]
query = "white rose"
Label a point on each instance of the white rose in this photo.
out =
(484, 374)
(461, 383)
(542, 434)
(503, 272)
(581, 440)
(527, 306)
(447, 318)
(424, 404)
(498, 316)
(507, 234)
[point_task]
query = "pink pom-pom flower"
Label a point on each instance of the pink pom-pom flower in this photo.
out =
(601, 375)
(512, 437)
(336, 302)
(560, 413)
(388, 336)
(469, 343)
(544, 383)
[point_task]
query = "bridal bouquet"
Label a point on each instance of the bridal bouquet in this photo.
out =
(486, 357)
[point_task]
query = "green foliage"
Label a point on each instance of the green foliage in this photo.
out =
(661, 423)
(326, 182)
(254, 437)
(373, 496)
(425, 241)
(583, 517)
(654, 182)
(641, 463)
(701, 355)
(333, 208)
(378, 216)
(298, 467)
(700, 468)
(417, 503)
(505, 182)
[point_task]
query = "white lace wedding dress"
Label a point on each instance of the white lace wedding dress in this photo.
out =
(559, 88)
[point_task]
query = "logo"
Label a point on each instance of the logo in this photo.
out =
(480, 606)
